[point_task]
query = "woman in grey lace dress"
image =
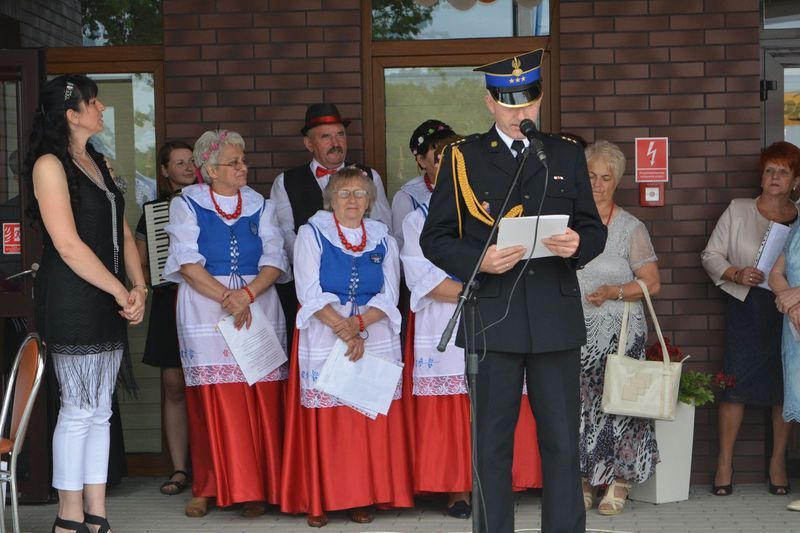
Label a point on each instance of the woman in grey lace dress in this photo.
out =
(614, 450)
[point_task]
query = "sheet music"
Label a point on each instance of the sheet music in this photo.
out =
(257, 350)
(520, 231)
(771, 248)
(367, 385)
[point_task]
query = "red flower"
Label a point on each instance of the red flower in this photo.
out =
(654, 352)
(723, 382)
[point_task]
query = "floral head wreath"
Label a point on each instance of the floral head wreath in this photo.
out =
(215, 146)
(426, 134)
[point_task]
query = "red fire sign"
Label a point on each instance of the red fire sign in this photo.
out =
(12, 238)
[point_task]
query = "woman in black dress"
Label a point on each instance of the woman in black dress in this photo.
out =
(82, 301)
(161, 350)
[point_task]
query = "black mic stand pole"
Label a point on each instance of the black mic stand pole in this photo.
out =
(468, 296)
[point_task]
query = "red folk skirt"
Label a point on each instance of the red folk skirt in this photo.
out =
(236, 439)
(336, 458)
(439, 427)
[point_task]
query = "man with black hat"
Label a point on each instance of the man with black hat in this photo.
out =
(530, 314)
(297, 192)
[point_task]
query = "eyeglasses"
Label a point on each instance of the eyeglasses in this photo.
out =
(235, 165)
(780, 172)
(344, 194)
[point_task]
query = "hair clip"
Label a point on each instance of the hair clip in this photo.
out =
(68, 90)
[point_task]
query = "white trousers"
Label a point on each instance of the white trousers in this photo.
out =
(82, 435)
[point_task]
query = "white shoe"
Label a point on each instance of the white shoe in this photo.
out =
(794, 506)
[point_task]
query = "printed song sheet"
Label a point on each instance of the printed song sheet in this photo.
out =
(367, 385)
(520, 231)
(771, 248)
(257, 350)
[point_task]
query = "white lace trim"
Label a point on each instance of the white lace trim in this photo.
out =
(440, 385)
(216, 374)
(315, 399)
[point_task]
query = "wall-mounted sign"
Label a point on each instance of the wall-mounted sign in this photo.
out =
(12, 238)
(652, 159)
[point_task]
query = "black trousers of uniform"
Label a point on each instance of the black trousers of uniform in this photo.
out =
(553, 391)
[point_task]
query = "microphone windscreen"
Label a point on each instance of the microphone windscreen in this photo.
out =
(528, 128)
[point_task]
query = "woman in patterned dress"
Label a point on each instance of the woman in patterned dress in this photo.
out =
(226, 252)
(614, 450)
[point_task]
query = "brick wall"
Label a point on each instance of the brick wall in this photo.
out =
(46, 23)
(253, 66)
(687, 70)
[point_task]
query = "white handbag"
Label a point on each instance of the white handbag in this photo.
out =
(633, 387)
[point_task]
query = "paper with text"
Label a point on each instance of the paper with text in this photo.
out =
(367, 385)
(771, 248)
(257, 350)
(520, 231)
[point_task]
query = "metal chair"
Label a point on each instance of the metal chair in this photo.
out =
(23, 384)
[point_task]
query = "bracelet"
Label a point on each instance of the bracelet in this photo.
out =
(620, 294)
(249, 293)
(361, 326)
(143, 286)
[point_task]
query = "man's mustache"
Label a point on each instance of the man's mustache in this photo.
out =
(335, 149)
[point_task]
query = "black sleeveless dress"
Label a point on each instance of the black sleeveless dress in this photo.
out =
(74, 317)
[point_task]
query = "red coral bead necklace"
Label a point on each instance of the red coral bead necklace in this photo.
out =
(428, 182)
(223, 214)
(346, 243)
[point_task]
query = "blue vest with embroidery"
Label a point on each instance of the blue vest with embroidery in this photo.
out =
(350, 278)
(228, 249)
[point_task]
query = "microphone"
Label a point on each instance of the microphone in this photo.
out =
(528, 129)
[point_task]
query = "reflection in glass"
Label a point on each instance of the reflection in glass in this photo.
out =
(781, 14)
(121, 22)
(11, 253)
(791, 105)
(458, 19)
(451, 94)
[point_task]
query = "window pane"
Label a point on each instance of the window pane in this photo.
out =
(458, 19)
(781, 14)
(451, 94)
(791, 105)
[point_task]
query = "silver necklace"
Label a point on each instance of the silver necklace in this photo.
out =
(111, 200)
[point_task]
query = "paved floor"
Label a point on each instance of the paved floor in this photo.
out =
(137, 507)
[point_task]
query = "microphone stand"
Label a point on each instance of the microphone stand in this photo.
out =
(468, 297)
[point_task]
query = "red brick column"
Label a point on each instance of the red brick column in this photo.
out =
(687, 70)
(254, 65)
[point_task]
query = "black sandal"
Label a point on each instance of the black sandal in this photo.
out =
(97, 521)
(77, 527)
(179, 485)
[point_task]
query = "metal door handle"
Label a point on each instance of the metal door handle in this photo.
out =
(30, 272)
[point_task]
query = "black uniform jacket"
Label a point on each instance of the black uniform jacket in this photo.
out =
(545, 313)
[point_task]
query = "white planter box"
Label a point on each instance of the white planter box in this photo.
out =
(670, 483)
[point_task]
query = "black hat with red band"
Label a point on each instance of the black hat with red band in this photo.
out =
(319, 114)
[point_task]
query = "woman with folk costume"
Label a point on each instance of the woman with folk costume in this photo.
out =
(226, 251)
(417, 191)
(439, 404)
(347, 274)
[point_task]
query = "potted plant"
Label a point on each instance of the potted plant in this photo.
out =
(670, 483)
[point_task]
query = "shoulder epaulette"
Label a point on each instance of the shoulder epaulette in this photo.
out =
(568, 139)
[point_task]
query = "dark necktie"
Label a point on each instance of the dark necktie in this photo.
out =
(518, 146)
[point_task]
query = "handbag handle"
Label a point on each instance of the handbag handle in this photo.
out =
(623, 336)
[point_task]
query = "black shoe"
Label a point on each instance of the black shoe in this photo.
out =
(723, 490)
(77, 527)
(779, 490)
(97, 521)
(460, 509)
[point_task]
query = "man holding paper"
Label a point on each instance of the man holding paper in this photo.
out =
(537, 327)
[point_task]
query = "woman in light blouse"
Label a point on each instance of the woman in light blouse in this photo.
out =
(752, 323)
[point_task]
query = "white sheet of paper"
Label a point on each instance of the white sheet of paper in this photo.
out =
(520, 231)
(771, 249)
(367, 385)
(257, 350)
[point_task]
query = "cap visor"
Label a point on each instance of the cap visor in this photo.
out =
(517, 98)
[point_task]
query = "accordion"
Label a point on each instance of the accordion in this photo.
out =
(156, 216)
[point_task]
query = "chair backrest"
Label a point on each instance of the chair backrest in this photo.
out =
(24, 381)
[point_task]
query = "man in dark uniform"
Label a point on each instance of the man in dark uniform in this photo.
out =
(297, 192)
(543, 331)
